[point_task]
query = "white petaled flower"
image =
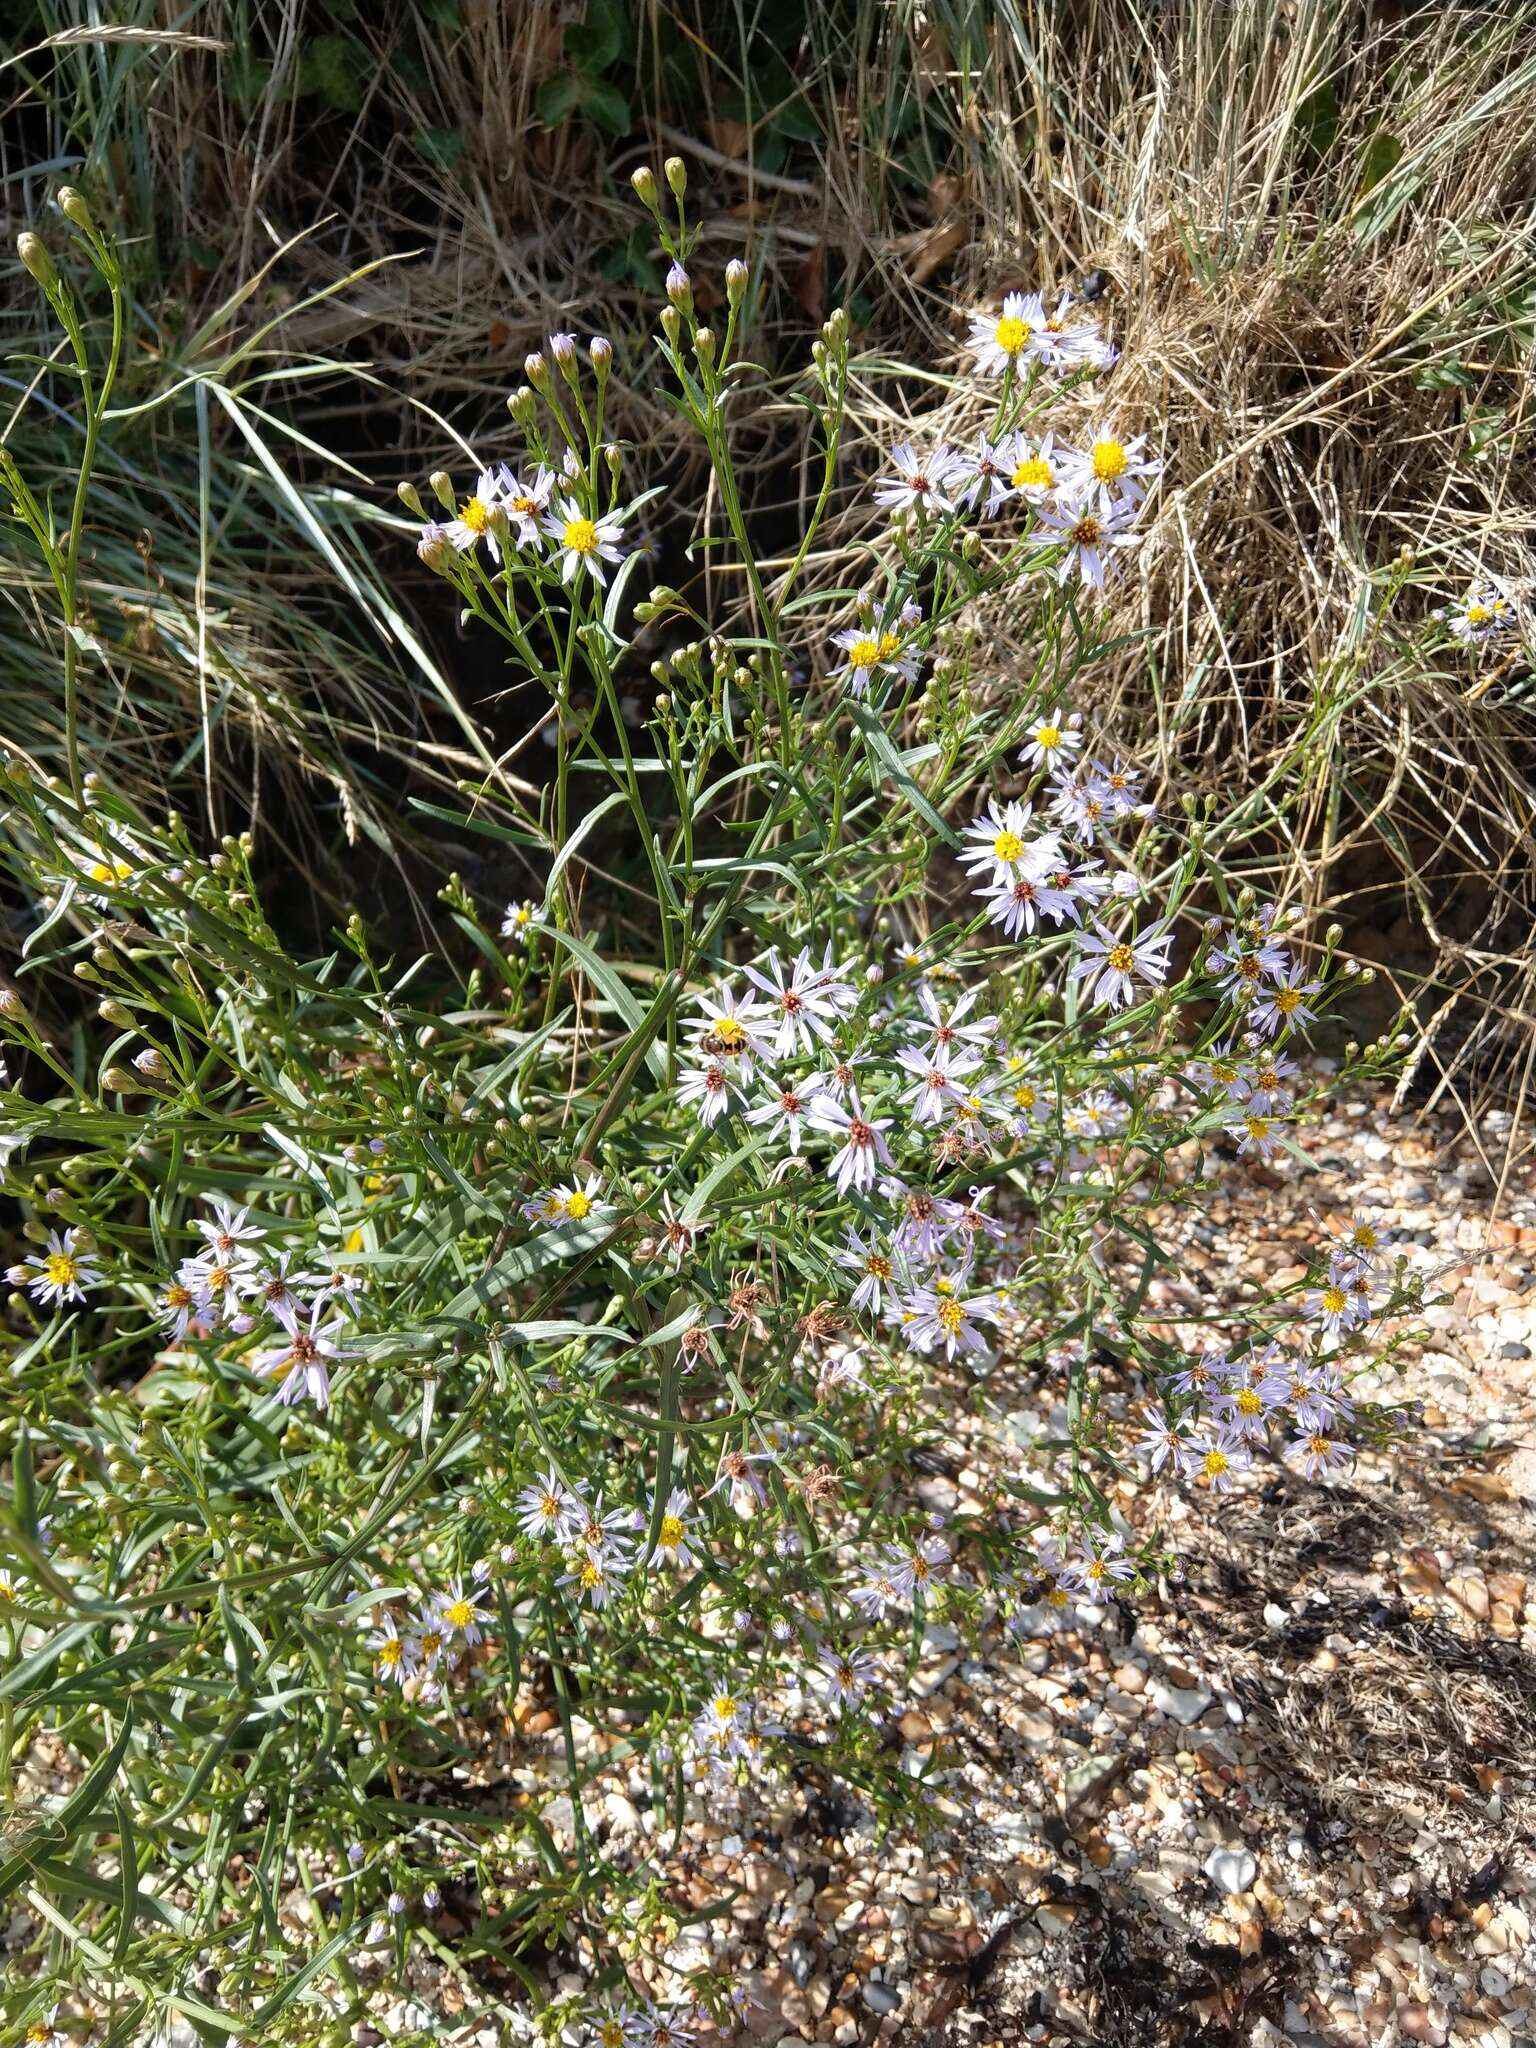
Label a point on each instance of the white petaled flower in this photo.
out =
(680, 1233)
(840, 1080)
(925, 1223)
(1051, 741)
(932, 481)
(863, 1154)
(1067, 344)
(788, 1106)
(578, 1199)
(881, 1589)
(59, 1273)
(582, 542)
(805, 1001)
(1097, 1565)
(230, 1234)
(1260, 1135)
(917, 1568)
(525, 502)
(943, 1318)
(1087, 538)
(1034, 467)
(521, 921)
(1319, 1452)
(1337, 1309)
(844, 1677)
(672, 1543)
(1265, 1084)
(1359, 1244)
(1161, 1443)
(178, 1306)
(936, 1081)
(305, 1364)
(1284, 1006)
(709, 1089)
(1250, 1393)
(594, 1579)
(947, 1033)
(1112, 471)
(1110, 967)
(1000, 340)
(869, 651)
(221, 1287)
(547, 1507)
(396, 1658)
(1218, 1456)
(460, 1611)
(988, 476)
(605, 1532)
(1482, 613)
(431, 1637)
(873, 1267)
(996, 845)
(474, 521)
(1319, 1397)
(1019, 905)
(273, 1288)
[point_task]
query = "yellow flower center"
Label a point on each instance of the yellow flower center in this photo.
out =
(725, 1707)
(390, 1653)
(671, 1531)
(1056, 1597)
(1478, 614)
(1034, 470)
(1363, 1237)
(1048, 736)
(580, 536)
(1121, 958)
(60, 1269)
(1008, 846)
(889, 643)
(110, 871)
(1258, 1126)
(459, 1614)
(1109, 461)
(578, 1205)
(877, 1267)
(611, 2034)
(1287, 1000)
(589, 1575)
(1096, 1569)
(1335, 1301)
(1223, 1070)
(431, 1643)
(864, 653)
(1024, 1096)
(475, 514)
(1248, 1403)
(950, 1315)
(1011, 333)
(730, 1034)
(1214, 1464)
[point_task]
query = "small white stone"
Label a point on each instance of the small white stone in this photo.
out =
(1231, 1870)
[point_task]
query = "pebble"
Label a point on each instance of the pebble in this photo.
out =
(1231, 1870)
(881, 1998)
(1179, 1703)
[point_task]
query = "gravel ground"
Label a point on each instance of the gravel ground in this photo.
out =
(1287, 1799)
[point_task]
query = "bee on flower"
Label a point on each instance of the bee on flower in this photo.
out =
(729, 1028)
(582, 543)
(61, 1272)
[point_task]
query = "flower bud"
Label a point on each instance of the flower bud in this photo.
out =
(600, 349)
(522, 404)
(613, 455)
(643, 181)
(671, 324)
(677, 175)
(679, 290)
(410, 498)
(151, 1062)
(536, 370)
(37, 260)
(11, 1004)
(73, 207)
(119, 1081)
(434, 548)
(442, 488)
(111, 1012)
(735, 281)
(704, 344)
(563, 348)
